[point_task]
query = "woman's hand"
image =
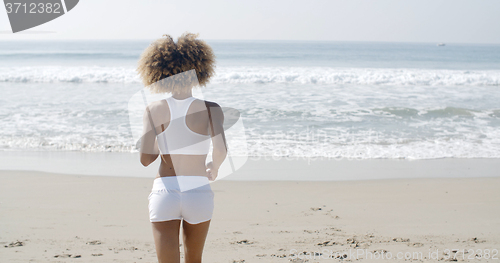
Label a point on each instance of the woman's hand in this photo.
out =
(211, 171)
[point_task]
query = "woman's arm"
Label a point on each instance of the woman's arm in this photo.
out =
(149, 148)
(216, 130)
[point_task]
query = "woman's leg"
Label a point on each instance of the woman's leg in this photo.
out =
(166, 235)
(194, 236)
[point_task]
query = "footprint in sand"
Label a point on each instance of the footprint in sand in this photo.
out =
(95, 242)
(415, 244)
(280, 232)
(279, 256)
(244, 242)
(326, 243)
(476, 240)
(67, 256)
(15, 244)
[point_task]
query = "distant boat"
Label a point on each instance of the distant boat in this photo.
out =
(441, 44)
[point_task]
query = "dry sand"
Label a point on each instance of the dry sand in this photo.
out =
(69, 218)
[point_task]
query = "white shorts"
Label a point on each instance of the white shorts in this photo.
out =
(187, 197)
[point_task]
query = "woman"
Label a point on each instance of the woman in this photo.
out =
(179, 130)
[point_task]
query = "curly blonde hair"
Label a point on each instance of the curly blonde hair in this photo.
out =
(165, 58)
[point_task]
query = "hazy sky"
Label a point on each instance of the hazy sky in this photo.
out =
(463, 21)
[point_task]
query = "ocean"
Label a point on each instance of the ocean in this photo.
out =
(357, 100)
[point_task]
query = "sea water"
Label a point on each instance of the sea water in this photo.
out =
(296, 98)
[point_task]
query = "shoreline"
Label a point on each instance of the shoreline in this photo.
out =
(253, 169)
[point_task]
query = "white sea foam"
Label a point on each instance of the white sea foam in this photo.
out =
(292, 75)
(49, 74)
(354, 146)
(359, 76)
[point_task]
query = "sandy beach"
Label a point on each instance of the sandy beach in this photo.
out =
(47, 217)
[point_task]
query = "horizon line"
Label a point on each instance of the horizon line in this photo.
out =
(258, 40)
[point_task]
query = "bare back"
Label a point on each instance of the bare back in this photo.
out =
(197, 121)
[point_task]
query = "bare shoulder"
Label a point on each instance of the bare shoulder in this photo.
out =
(202, 104)
(215, 111)
(158, 105)
(212, 104)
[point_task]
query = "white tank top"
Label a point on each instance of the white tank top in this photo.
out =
(177, 138)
